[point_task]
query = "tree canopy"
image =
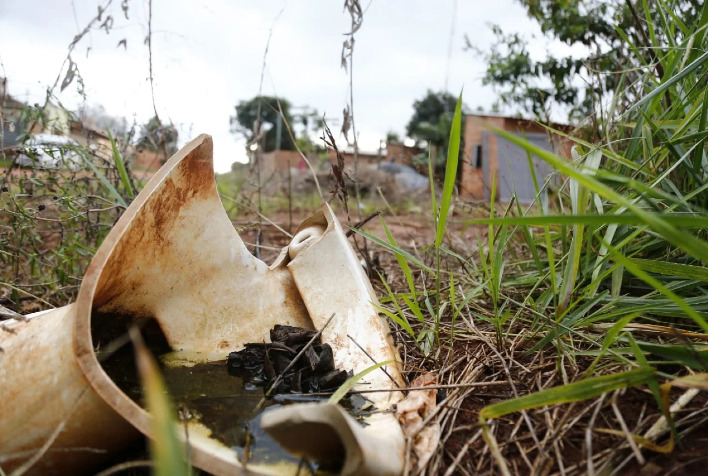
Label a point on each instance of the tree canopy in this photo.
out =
(265, 111)
(431, 123)
(607, 31)
(154, 135)
(432, 118)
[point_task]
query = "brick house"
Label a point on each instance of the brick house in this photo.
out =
(487, 154)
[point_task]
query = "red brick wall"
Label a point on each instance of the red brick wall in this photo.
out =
(472, 182)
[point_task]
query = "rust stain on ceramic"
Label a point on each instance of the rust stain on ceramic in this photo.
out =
(150, 231)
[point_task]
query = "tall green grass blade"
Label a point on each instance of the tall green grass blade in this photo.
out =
(633, 268)
(401, 322)
(431, 180)
(120, 165)
(694, 358)
(572, 317)
(401, 319)
(572, 392)
(687, 242)
(652, 383)
(107, 185)
(395, 250)
(453, 152)
(610, 339)
(498, 262)
(528, 237)
(167, 452)
(674, 219)
(414, 307)
(468, 297)
(570, 272)
(685, 271)
(700, 32)
(399, 257)
(671, 82)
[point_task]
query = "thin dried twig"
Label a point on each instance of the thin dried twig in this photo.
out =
(119, 468)
(451, 469)
(588, 435)
(27, 465)
(361, 223)
(340, 187)
(628, 435)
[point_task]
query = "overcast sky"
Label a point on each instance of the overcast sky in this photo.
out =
(208, 55)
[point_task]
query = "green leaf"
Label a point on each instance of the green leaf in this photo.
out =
(572, 392)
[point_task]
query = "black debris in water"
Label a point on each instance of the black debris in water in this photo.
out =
(260, 364)
(228, 404)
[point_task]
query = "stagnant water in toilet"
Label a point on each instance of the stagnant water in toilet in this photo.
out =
(218, 399)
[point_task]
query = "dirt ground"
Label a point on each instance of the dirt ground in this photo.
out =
(411, 229)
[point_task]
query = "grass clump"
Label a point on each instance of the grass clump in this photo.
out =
(594, 296)
(52, 222)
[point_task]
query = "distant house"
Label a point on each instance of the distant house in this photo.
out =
(369, 156)
(54, 120)
(11, 108)
(148, 160)
(96, 139)
(394, 152)
(281, 161)
(486, 155)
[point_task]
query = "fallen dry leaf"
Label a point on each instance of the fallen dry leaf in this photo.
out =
(412, 413)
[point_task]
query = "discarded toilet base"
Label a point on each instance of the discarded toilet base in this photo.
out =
(175, 257)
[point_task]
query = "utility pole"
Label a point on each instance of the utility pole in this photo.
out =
(278, 132)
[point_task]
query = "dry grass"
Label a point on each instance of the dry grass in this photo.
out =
(590, 437)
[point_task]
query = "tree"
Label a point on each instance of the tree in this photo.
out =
(608, 31)
(272, 132)
(158, 137)
(432, 117)
(392, 137)
(431, 122)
